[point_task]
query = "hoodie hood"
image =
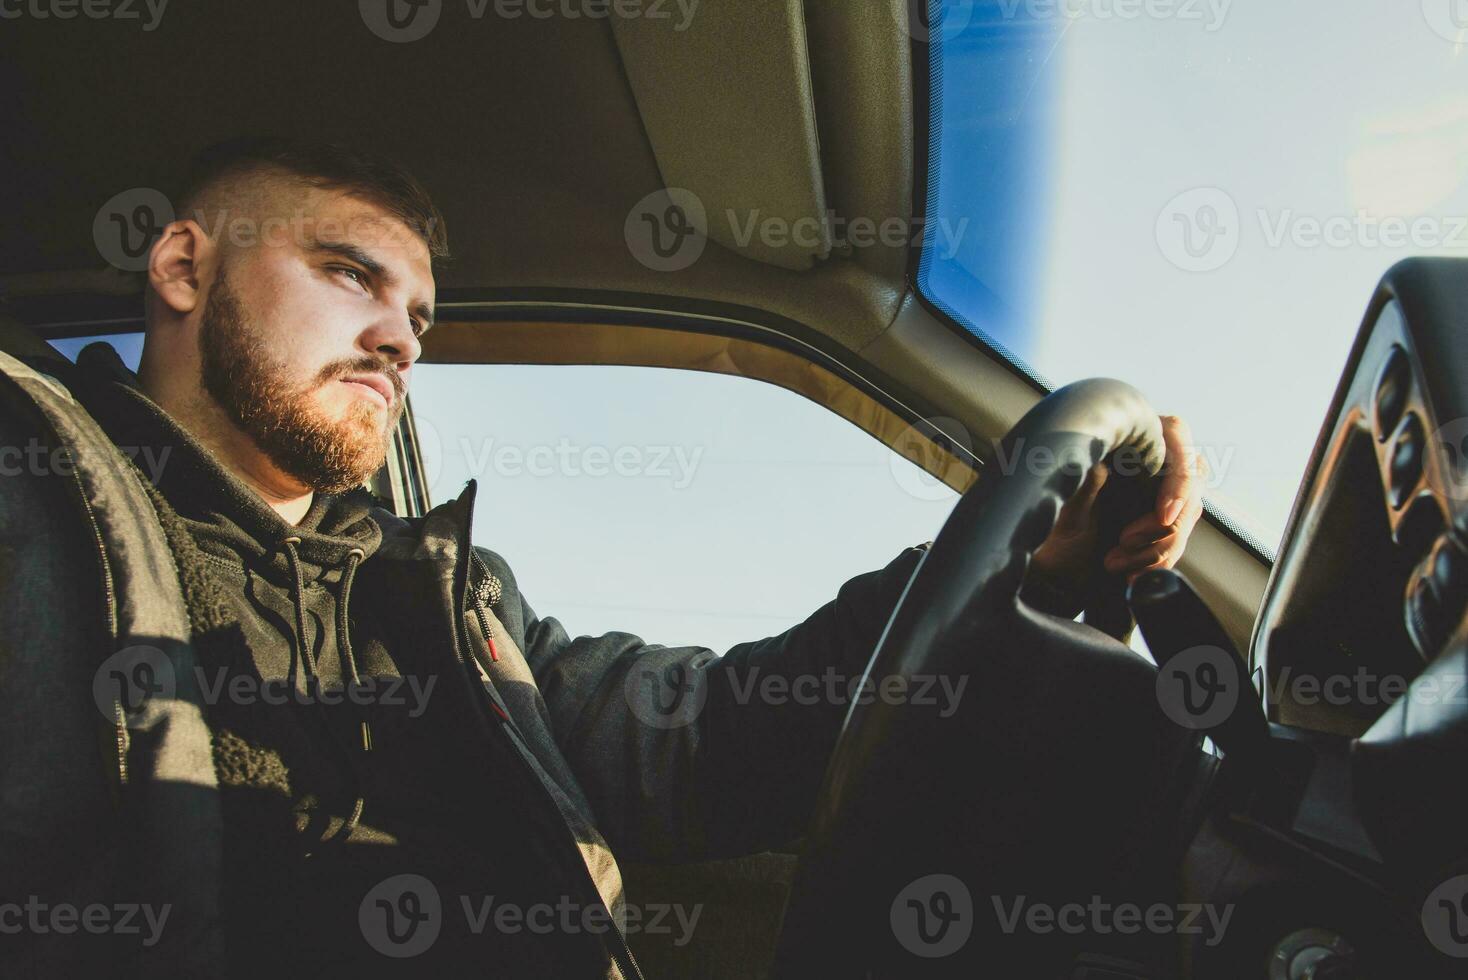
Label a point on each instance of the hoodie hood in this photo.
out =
(227, 518)
(295, 582)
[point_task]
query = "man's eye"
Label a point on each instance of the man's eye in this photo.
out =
(355, 275)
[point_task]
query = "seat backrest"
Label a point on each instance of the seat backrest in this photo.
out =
(88, 584)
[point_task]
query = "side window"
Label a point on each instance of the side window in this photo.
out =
(129, 346)
(682, 506)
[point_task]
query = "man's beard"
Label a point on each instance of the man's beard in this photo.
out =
(328, 455)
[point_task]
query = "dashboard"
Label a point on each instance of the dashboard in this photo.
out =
(1341, 839)
(1372, 582)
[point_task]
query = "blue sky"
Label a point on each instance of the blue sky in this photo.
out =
(1080, 148)
(776, 501)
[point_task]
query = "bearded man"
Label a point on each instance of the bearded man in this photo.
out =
(391, 734)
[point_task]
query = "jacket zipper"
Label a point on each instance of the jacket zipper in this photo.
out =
(481, 605)
(626, 963)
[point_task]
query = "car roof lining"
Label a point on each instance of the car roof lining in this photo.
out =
(528, 132)
(743, 150)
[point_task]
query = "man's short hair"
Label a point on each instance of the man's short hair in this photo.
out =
(329, 166)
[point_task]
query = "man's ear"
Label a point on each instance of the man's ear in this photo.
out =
(175, 265)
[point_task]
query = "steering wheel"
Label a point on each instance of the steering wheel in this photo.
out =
(995, 833)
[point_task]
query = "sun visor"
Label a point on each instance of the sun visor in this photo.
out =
(724, 91)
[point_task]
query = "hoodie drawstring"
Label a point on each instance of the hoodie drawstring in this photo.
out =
(343, 641)
(344, 646)
(298, 604)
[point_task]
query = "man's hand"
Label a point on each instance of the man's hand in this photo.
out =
(1154, 540)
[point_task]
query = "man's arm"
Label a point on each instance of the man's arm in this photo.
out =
(687, 755)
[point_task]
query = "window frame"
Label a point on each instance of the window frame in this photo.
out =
(513, 333)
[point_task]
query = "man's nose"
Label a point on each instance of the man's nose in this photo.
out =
(394, 340)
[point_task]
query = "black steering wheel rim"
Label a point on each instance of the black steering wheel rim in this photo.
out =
(878, 826)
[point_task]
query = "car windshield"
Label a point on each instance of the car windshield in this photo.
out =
(1195, 196)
